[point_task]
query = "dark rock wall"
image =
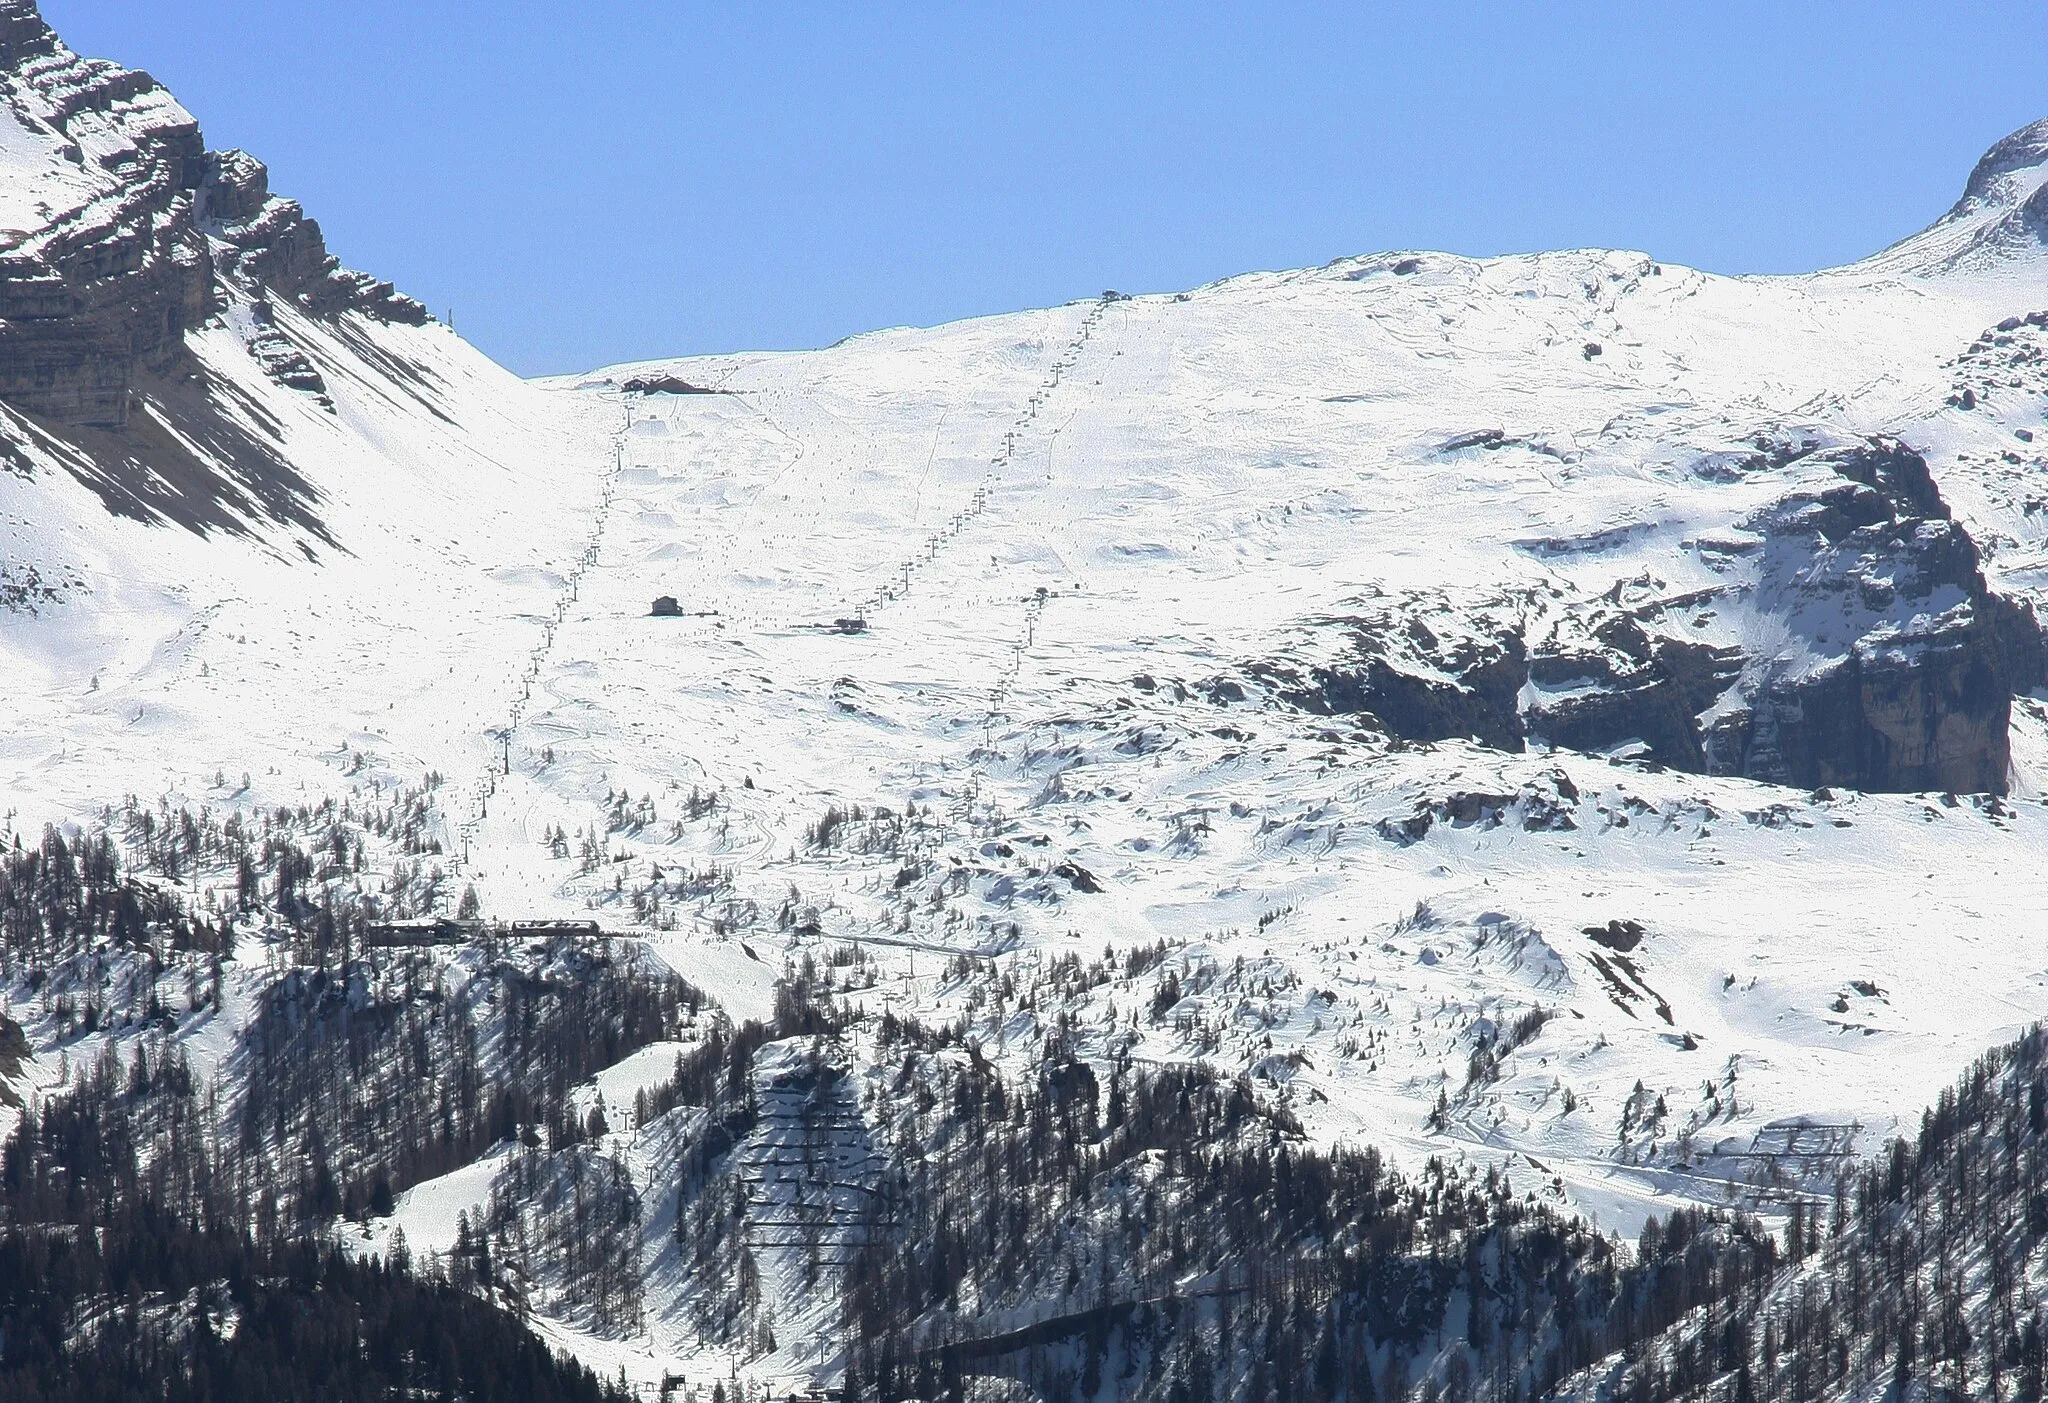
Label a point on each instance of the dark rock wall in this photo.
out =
(105, 294)
(1479, 705)
(1418, 683)
(1643, 687)
(110, 287)
(1902, 668)
(1899, 676)
(1921, 698)
(268, 242)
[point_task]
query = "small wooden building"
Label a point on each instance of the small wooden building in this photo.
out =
(666, 607)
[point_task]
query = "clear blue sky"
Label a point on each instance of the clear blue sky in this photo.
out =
(592, 182)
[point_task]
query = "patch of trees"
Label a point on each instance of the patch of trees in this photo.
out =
(402, 1068)
(131, 1267)
(354, 1088)
(568, 1223)
(147, 1307)
(1918, 1277)
(63, 896)
(354, 1084)
(1163, 1234)
(363, 1070)
(360, 1072)
(172, 879)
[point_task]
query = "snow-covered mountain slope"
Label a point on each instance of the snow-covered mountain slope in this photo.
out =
(235, 473)
(1176, 612)
(1566, 711)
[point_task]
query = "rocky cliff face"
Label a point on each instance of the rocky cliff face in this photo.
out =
(1868, 650)
(1625, 683)
(103, 276)
(124, 232)
(1900, 664)
(265, 242)
(1878, 657)
(1424, 666)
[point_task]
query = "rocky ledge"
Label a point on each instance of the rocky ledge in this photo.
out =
(144, 234)
(1891, 664)
(1901, 664)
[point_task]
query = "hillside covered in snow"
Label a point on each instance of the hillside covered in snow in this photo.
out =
(1540, 742)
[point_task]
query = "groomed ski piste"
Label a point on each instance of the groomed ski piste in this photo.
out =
(964, 678)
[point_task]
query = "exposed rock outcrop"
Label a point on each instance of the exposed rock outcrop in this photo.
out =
(1425, 669)
(102, 275)
(14, 1056)
(1545, 804)
(1900, 665)
(1890, 664)
(1624, 685)
(267, 242)
(139, 234)
(2006, 176)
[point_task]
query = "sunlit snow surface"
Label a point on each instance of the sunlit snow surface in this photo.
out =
(1057, 527)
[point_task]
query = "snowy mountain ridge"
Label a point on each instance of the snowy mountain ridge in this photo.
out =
(1548, 714)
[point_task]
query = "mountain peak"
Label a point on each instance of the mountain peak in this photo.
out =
(2003, 212)
(140, 274)
(22, 28)
(2008, 175)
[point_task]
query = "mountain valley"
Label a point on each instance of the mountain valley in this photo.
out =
(1421, 826)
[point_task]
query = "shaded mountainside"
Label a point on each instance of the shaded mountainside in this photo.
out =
(1922, 1279)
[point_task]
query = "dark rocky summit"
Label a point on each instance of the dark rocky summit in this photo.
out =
(105, 291)
(146, 238)
(2026, 150)
(2003, 210)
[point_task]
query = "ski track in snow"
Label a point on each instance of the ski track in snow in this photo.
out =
(1060, 531)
